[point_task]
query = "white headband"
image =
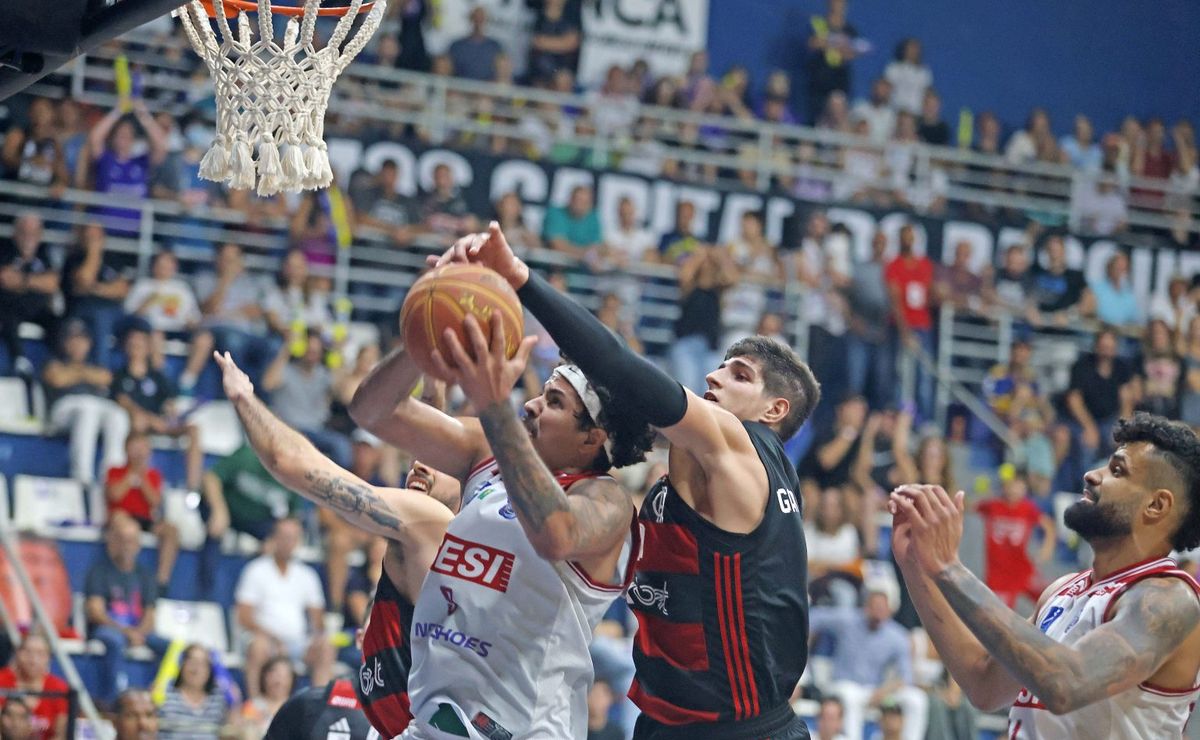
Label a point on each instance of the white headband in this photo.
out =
(591, 401)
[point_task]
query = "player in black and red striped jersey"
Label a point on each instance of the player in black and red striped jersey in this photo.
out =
(720, 591)
(413, 520)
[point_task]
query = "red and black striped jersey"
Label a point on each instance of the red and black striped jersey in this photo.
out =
(382, 685)
(722, 617)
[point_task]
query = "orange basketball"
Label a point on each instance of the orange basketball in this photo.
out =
(441, 299)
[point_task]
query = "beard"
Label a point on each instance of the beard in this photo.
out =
(1096, 521)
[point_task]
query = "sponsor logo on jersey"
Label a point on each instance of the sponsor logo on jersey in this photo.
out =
(1027, 700)
(489, 727)
(471, 561)
(448, 595)
(435, 631)
(370, 676)
(339, 730)
(659, 504)
(507, 512)
(648, 596)
(1054, 613)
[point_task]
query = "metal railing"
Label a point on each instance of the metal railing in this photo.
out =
(8, 540)
(755, 154)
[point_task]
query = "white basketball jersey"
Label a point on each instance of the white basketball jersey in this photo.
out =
(500, 635)
(1145, 711)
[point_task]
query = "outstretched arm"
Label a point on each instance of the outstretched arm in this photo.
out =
(1152, 620)
(397, 514)
(687, 421)
(383, 405)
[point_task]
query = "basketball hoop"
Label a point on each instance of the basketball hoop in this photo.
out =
(273, 96)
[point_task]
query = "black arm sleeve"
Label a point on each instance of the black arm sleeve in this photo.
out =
(602, 356)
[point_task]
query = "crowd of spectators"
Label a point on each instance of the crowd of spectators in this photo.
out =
(129, 348)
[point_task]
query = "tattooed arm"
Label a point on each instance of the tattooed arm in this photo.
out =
(397, 514)
(1151, 621)
(588, 523)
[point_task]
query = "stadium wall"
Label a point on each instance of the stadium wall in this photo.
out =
(1104, 58)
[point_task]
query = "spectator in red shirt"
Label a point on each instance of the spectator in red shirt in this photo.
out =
(30, 672)
(910, 280)
(16, 719)
(136, 489)
(1009, 521)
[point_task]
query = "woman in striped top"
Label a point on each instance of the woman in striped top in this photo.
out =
(194, 708)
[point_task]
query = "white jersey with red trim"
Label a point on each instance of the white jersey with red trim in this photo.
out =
(500, 635)
(1144, 711)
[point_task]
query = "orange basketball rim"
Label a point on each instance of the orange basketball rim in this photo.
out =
(233, 7)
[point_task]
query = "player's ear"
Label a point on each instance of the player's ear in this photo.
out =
(597, 436)
(777, 411)
(1160, 505)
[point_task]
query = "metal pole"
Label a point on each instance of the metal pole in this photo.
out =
(39, 612)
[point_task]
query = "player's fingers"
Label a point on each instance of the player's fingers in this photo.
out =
(941, 500)
(435, 260)
(915, 497)
(454, 351)
(909, 510)
(499, 338)
(477, 340)
(441, 368)
(960, 501)
(496, 234)
(525, 350)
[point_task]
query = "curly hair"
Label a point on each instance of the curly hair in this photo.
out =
(1177, 445)
(631, 435)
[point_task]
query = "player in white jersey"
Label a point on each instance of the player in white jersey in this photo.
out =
(538, 551)
(1112, 652)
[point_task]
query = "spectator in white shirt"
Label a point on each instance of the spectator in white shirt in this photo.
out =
(280, 607)
(627, 243)
(167, 303)
(877, 111)
(1024, 145)
(1100, 207)
(909, 77)
(614, 107)
(1081, 148)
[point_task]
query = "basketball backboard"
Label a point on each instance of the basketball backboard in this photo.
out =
(39, 36)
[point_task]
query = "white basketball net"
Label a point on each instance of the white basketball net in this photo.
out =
(270, 96)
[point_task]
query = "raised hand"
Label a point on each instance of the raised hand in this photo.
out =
(936, 523)
(488, 248)
(236, 383)
(489, 376)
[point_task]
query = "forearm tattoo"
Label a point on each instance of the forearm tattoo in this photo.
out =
(532, 489)
(1156, 618)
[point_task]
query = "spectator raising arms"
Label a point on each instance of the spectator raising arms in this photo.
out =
(118, 169)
